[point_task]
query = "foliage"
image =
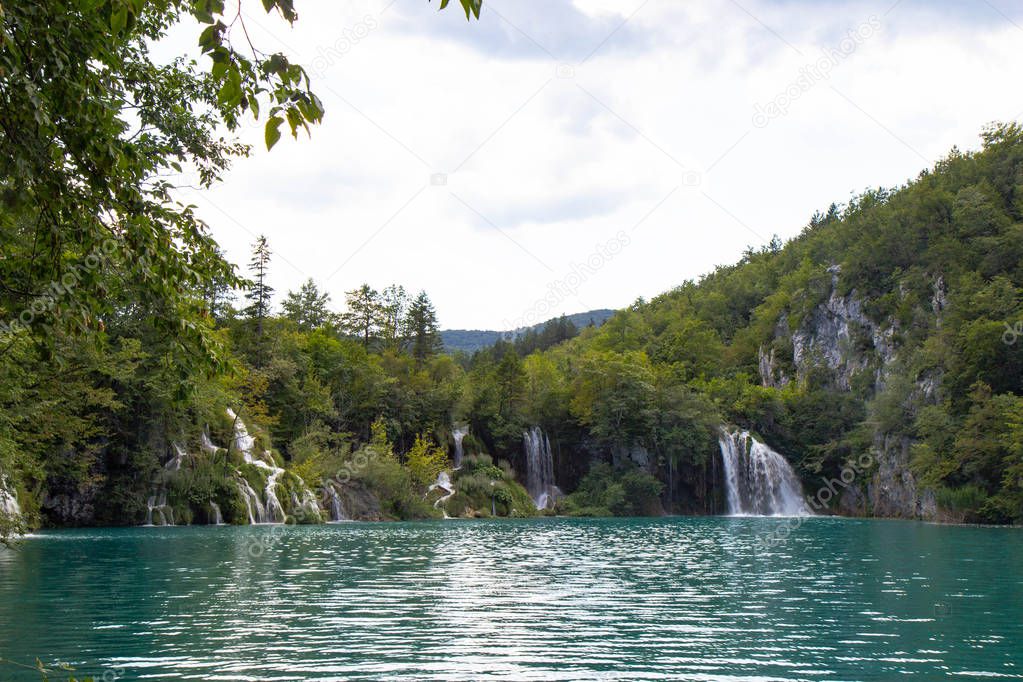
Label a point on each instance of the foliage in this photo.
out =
(606, 491)
(425, 461)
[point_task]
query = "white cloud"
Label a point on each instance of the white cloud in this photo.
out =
(542, 167)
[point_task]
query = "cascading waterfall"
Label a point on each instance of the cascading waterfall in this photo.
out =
(243, 442)
(175, 462)
(273, 511)
(9, 506)
(459, 433)
(158, 512)
(333, 504)
(252, 504)
(540, 468)
(306, 508)
(206, 444)
(444, 483)
(758, 481)
(218, 518)
(262, 508)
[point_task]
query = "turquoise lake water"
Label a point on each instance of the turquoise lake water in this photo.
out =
(676, 599)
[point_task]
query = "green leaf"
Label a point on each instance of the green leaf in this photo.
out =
(118, 19)
(272, 133)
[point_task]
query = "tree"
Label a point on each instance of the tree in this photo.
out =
(308, 307)
(219, 293)
(96, 136)
(364, 315)
(421, 327)
(425, 460)
(260, 292)
(394, 306)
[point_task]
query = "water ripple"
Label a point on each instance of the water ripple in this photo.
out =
(551, 599)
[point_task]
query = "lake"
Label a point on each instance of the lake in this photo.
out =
(676, 598)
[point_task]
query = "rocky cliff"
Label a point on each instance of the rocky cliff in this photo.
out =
(837, 336)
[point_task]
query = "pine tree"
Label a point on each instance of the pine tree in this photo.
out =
(260, 292)
(308, 307)
(422, 331)
(365, 313)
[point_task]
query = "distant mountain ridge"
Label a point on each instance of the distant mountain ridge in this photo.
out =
(472, 340)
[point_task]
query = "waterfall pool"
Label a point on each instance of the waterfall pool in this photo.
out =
(566, 599)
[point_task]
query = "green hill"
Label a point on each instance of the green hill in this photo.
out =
(887, 333)
(472, 340)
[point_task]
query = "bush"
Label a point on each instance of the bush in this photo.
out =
(606, 491)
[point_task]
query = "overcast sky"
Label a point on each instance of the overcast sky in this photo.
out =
(564, 155)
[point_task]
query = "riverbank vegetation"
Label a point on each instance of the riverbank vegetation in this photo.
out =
(924, 283)
(892, 325)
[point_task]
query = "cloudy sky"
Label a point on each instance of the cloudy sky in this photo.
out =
(564, 155)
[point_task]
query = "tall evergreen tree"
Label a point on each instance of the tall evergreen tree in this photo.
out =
(308, 307)
(421, 325)
(364, 315)
(260, 292)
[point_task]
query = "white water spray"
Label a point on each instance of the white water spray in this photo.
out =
(273, 511)
(252, 504)
(218, 519)
(158, 512)
(9, 506)
(459, 433)
(175, 462)
(540, 468)
(758, 481)
(444, 483)
(334, 505)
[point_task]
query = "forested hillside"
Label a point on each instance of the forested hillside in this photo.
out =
(887, 334)
(472, 340)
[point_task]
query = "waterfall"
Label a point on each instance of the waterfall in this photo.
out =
(272, 512)
(459, 433)
(333, 503)
(158, 512)
(243, 442)
(255, 508)
(758, 481)
(206, 444)
(443, 482)
(8, 499)
(218, 519)
(174, 464)
(540, 468)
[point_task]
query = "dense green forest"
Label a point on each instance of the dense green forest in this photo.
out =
(145, 378)
(889, 326)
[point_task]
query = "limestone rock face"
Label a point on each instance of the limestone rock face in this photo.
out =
(893, 491)
(838, 336)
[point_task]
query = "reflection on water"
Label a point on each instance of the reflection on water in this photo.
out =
(694, 599)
